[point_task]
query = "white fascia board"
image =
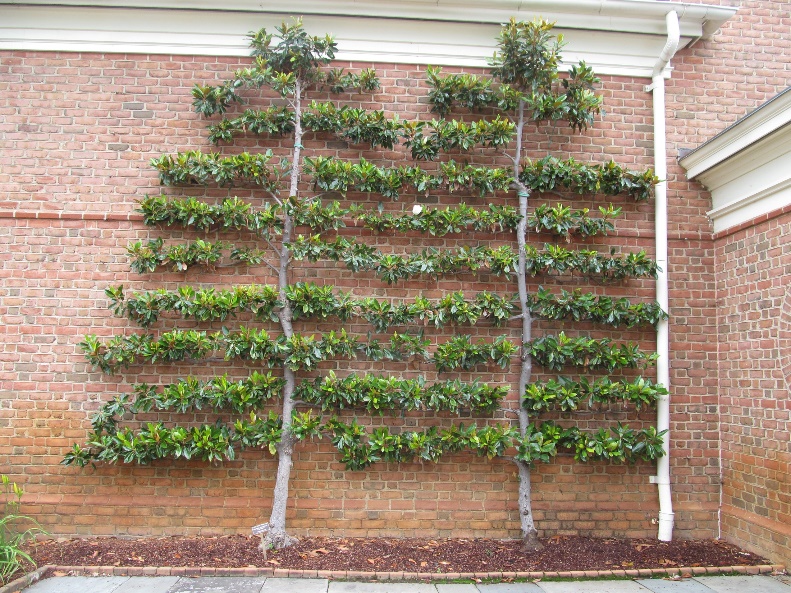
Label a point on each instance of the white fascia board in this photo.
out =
(637, 16)
(752, 128)
(755, 181)
(615, 37)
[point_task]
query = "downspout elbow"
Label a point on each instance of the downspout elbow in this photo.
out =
(671, 45)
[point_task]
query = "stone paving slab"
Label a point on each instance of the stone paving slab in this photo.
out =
(282, 585)
(218, 585)
(456, 588)
(784, 578)
(509, 588)
(674, 586)
(744, 584)
(349, 587)
(147, 585)
(592, 587)
(77, 585)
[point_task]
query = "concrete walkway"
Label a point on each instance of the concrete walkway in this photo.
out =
(120, 584)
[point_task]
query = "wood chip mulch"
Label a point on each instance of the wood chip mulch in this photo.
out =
(561, 553)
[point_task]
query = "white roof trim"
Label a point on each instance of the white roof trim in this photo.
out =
(747, 167)
(616, 37)
(756, 125)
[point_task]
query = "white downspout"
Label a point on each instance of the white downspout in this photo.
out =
(662, 478)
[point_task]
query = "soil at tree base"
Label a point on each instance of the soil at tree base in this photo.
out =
(394, 555)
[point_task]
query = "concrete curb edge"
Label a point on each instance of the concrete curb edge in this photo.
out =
(26, 580)
(191, 571)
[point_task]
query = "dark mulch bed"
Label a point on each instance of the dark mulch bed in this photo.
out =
(394, 555)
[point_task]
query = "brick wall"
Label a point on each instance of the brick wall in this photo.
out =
(754, 296)
(713, 85)
(79, 130)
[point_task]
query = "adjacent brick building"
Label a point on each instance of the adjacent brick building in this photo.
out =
(83, 110)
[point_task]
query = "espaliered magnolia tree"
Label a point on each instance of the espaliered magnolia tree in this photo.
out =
(296, 192)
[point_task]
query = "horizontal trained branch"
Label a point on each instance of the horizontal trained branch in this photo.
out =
(275, 121)
(309, 300)
(440, 222)
(579, 306)
(556, 352)
(236, 214)
(461, 353)
(425, 139)
(295, 352)
(500, 261)
(147, 257)
(564, 222)
(332, 174)
(356, 125)
(192, 213)
(209, 442)
(191, 394)
(433, 262)
(553, 174)
(557, 259)
(618, 444)
(567, 395)
(376, 393)
(194, 167)
(358, 449)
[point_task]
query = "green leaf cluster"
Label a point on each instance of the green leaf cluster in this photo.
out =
(558, 259)
(359, 449)
(461, 353)
(332, 174)
(307, 300)
(467, 90)
(376, 394)
(556, 352)
(356, 125)
(236, 214)
(275, 121)
(147, 257)
(231, 213)
(426, 141)
(191, 394)
(209, 442)
(618, 444)
(552, 174)
(500, 261)
(296, 352)
(433, 262)
(580, 306)
(564, 222)
(195, 167)
(439, 222)
(567, 395)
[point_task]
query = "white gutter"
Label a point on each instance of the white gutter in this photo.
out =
(662, 479)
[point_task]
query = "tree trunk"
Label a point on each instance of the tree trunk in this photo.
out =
(276, 537)
(529, 532)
